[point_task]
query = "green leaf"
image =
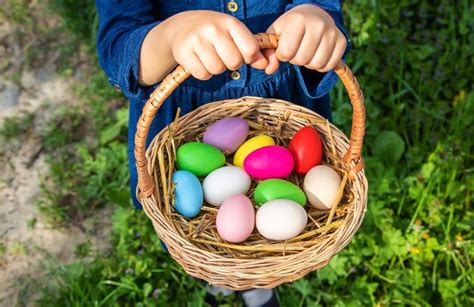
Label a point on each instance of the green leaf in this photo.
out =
(113, 131)
(427, 169)
(448, 289)
(395, 242)
(119, 197)
(147, 288)
(335, 269)
(110, 133)
(302, 286)
(388, 147)
(416, 277)
(343, 114)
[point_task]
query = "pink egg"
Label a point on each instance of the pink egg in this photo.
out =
(236, 219)
(269, 162)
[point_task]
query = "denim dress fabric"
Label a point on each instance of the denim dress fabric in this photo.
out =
(123, 25)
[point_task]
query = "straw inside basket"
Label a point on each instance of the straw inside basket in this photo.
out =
(265, 116)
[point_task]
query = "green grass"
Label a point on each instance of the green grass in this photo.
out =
(79, 17)
(414, 62)
(14, 127)
(17, 11)
(87, 155)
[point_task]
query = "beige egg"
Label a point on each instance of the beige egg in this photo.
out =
(321, 184)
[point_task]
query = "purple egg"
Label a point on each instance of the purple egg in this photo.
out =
(227, 134)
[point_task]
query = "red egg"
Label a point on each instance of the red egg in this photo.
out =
(306, 148)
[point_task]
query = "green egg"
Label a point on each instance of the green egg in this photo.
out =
(199, 158)
(271, 189)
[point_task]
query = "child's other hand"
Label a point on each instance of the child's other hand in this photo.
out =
(308, 37)
(207, 43)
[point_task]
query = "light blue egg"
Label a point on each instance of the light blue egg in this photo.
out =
(188, 193)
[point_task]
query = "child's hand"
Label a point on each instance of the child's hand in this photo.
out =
(308, 37)
(207, 43)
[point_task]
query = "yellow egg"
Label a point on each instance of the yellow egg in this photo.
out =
(250, 145)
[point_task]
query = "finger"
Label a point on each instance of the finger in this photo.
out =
(289, 42)
(209, 58)
(323, 54)
(309, 46)
(336, 55)
(227, 51)
(273, 62)
(245, 41)
(260, 62)
(193, 64)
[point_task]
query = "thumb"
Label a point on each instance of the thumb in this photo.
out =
(276, 27)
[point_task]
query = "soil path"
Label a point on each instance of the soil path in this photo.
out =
(25, 237)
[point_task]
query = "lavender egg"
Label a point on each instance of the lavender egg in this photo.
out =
(227, 134)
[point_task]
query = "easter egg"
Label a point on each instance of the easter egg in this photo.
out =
(278, 189)
(281, 219)
(225, 182)
(227, 134)
(188, 193)
(306, 148)
(199, 158)
(250, 145)
(269, 162)
(235, 219)
(321, 185)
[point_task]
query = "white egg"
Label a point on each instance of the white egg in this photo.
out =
(225, 182)
(281, 219)
(321, 184)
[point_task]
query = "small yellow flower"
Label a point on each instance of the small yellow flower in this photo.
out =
(418, 222)
(414, 250)
(425, 235)
(459, 98)
(459, 237)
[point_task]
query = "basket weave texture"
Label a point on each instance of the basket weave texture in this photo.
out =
(257, 262)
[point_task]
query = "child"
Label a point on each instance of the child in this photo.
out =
(141, 41)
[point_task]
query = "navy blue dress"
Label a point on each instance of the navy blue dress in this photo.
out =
(123, 25)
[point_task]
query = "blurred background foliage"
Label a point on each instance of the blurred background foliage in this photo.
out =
(414, 61)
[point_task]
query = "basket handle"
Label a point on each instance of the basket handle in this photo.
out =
(176, 77)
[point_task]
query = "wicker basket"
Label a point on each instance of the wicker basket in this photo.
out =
(257, 262)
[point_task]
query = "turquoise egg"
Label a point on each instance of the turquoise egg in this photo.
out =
(188, 193)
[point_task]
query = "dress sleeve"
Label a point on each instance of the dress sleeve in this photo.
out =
(123, 25)
(313, 83)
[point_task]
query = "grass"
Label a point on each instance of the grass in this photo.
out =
(414, 61)
(87, 156)
(79, 17)
(14, 127)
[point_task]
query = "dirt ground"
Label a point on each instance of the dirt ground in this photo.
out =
(35, 87)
